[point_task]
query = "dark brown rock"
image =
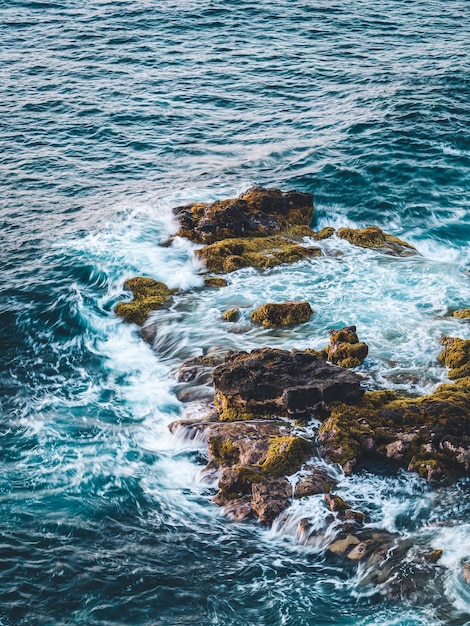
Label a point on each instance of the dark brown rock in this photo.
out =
(270, 498)
(257, 212)
(270, 382)
(317, 481)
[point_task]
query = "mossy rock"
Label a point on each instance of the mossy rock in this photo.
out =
(374, 237)
(456, 356)
(257, 212)
(231, 315)
(230, 255)
(282, 314)
(149, 295)
(462, 314)
(433, 430)
(286, 455)
(215, 281)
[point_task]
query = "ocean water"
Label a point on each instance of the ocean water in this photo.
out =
(112, 112)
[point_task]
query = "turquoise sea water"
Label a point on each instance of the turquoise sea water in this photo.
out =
(112, 113)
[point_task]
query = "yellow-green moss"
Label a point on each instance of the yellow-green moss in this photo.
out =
(347, 354)
(276, 315)
(231, 315)
(285, 455)
(231, 412)
(215, 281)
(223, 452)
(149, 295)
(371, 237)
(241, 483)
(456, 355)
(462, 314)
(229, 255)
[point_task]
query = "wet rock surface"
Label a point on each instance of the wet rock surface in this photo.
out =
(270, 382)
(374, 237)
(149, 295)
(257, 211)
(277, 315)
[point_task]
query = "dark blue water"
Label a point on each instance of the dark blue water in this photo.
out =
(111, 113)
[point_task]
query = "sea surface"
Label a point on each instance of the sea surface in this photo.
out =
(112, 112)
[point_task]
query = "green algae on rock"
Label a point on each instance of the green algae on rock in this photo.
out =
(215, 281)
(456, 355)
(230, 255)
(276, 315)
(345, 349)
(149, 295)
(255, 213)
(429, 434)
(374, 237)
(231, 315)
(462, 314)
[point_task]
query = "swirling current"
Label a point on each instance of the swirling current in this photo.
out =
(112, 113)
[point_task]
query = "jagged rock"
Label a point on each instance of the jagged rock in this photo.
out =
(434, 431)
(336, 503)
(256, 212)
(281, 314)
(374, 237)
(149, 295)
(433, 556)
(230, 255)
(316, 481)
(271, 382)
(231, 315)
(198, 368)
(270, 498)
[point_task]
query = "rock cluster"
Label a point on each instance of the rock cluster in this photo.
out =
(260, 432)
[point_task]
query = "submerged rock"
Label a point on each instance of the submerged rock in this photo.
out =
(374, 237)
(271, 382)
(256, 212)
(149, 295)
(230, 255)
(282, 314)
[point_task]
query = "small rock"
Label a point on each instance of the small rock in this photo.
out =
(342, 546)
(466, 573)
(231, 315)
(270, 498)
(336, 503)
(282, 314)
(317, 481)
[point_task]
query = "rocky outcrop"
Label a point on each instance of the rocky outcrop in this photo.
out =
(271, 382)
(276, 315)
(374, 237)
(215, 281)
(230, 255)
(149, 295)
(429, 434)
(256, 212)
